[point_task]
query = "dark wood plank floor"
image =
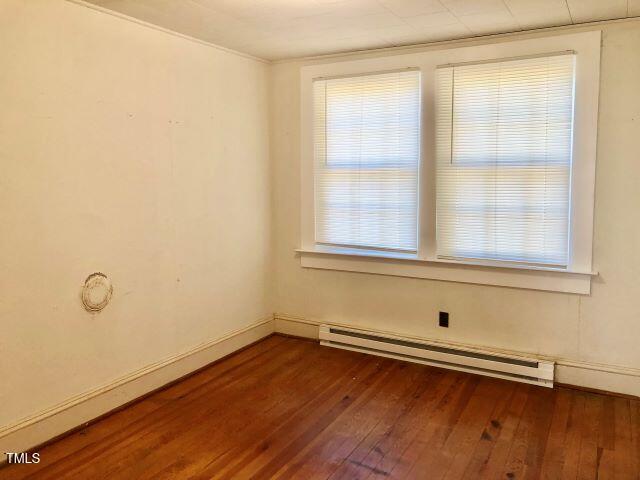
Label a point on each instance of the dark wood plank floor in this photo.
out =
(287, 408)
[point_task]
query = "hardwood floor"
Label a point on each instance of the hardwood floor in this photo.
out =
(287, 408)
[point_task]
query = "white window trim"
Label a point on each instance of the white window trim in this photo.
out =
(576, 278)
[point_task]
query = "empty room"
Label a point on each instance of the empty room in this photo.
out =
(319, 239)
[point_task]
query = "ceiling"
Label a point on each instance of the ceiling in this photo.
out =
(278, 29)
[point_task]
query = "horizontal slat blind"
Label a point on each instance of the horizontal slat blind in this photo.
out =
(367, 153)
(504, 149)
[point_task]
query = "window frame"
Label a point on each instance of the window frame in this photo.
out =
(576, 278)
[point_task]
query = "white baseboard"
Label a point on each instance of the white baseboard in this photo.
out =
(298, 327)
(611, 378)
(61, 418)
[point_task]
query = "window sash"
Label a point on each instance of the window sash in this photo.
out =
(367, 157)
(504, 135)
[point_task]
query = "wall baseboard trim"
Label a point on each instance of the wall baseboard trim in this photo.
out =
(598, 391)
(587, 375)
(68, 415)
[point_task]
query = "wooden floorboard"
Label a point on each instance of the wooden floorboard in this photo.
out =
(291, 409)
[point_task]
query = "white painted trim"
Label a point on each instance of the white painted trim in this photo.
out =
(533, 279)
(587, 48)
(460, 42)
(591, 375)
(612, 378)
(122, 16)
(297, 327)
(42, 426)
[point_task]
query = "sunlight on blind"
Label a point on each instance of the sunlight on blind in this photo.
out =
(504, 148)
(367, 153)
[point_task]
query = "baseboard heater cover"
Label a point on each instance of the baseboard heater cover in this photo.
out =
(518, 368)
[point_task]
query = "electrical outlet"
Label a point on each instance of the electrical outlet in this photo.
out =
(443, 319)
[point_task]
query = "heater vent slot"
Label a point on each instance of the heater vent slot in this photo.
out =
(433, 348)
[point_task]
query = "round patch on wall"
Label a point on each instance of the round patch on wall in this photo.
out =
(96, 292)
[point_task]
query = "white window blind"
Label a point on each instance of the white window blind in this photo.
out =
(367, 154)
(504, 150)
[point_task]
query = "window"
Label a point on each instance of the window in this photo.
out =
(504, 137)
(367, 153)
(470, 164)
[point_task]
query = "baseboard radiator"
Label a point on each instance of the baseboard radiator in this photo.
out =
(472, 360)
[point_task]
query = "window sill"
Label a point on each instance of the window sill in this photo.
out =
(408, 265)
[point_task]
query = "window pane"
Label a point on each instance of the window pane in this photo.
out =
(504, 139)
(367, 150)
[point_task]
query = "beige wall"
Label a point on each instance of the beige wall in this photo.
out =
(144, 155)
(603, 328)
(133, 152)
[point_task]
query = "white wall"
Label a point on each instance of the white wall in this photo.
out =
(133, 152)
(588, 334)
